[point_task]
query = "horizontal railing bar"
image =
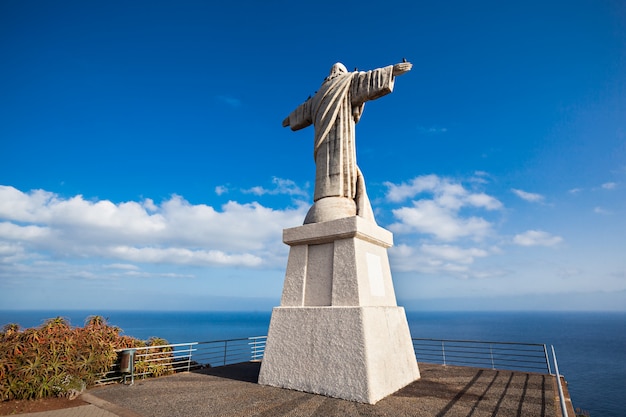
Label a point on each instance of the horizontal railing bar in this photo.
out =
(488, 360)
(169, 354)
(480, 342)
(490, 357)
(158, 347)
(224, 340)
(490, 352)
(482, 349)
(486, 355)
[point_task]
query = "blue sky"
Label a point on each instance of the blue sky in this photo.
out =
(143, 164)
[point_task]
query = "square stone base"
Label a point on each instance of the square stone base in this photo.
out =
(359, 354)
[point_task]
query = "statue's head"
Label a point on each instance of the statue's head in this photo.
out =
(336, 70)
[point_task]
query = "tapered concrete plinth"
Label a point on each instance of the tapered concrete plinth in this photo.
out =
(339, 331)
(355, 353)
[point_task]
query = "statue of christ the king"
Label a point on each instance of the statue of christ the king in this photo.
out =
(334, 111)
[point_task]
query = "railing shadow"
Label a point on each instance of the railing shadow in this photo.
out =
(245, 371)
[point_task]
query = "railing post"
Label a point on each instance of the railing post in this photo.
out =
(493, 366)
(545, 352)
(558, 380)
(189, 358)
(225, 347)
(132, 370)
(254, 347)
(443, 352)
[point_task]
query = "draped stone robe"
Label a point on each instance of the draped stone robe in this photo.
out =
(334, 111)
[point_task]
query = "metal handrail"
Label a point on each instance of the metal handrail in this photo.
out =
(180, 357)
(495, 355)
(558, 380)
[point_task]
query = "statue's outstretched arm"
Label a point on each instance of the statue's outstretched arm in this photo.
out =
(401, 68)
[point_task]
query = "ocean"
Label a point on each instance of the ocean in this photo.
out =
(590, 346)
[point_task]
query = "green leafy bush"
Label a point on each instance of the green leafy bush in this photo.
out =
(56, 359)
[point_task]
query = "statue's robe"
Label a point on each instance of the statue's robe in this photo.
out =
(334, 111)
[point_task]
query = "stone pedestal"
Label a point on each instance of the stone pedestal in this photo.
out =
(338, 330)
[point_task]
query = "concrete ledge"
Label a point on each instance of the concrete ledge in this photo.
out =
(348, 227)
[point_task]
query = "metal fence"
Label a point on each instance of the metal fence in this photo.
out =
(227, 352)
(529, 357)
(168, 359)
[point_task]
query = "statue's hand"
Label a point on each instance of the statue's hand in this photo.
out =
(401, 68)
(286, 122)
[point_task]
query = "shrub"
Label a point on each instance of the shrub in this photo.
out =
(151, 362)
(55, 359)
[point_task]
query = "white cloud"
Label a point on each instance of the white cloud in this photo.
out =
(175, 231)
(450, 260)
(600, 210)
(257, 190)
(536, 238)
(398, 193)
(531, 197)
(149, 205)
(446, 192)
(280, 186)
(221, 189)
(454, 253)
(12, 231)
(575, 191)
(11, 252)
(440, 216)
(184, 256)
(124, 267)
(428, 217)
(609, 185)
(480, 177)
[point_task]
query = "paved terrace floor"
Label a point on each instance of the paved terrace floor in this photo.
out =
(232, 391)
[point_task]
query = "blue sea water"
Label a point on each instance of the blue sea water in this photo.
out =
(590, 346)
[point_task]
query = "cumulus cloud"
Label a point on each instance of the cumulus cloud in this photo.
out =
(450, 260)
(428, 217)
(183, 256)
(454, 253)
(221, 189)
(441, 215)
(124, 267)
(280, 186)
(401, 192)
(446, 192)
(530, 197)
(175, 231)
(536, 238)
(480, 177)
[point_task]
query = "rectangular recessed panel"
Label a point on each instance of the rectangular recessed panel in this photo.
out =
(375, 275)
(319, 275)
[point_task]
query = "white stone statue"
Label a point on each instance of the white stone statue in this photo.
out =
(334, 111)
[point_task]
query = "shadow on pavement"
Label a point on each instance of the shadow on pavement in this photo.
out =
(245, 372)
